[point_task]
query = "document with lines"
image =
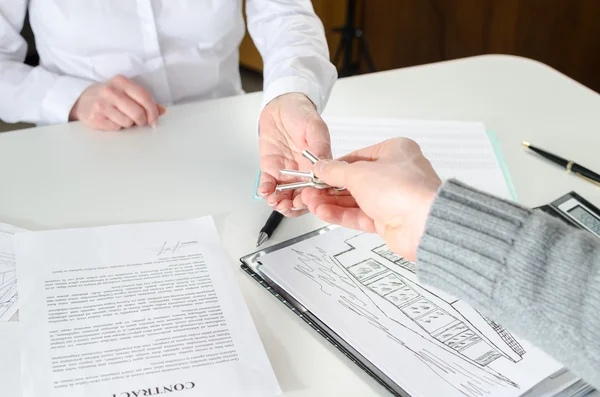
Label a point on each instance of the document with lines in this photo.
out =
(426, 341)
(135, 310)
(459, 149)
(8, 272)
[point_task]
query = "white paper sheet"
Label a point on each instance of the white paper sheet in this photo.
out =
(456, 149)
(562, 384)
(8, 272)
(10, 360)
(427, 342)
(147, 309)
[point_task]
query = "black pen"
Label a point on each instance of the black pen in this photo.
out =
(569, 165)
(269, 227)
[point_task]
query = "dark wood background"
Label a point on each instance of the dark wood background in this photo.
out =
(564, 34)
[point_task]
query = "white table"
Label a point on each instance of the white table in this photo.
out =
(203, 159)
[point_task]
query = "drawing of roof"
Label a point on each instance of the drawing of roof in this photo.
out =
(8, 283)
(441, 325)
(434, 317)
(386, 253)
(506, 336)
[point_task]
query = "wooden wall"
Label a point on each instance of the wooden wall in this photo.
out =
(332, 14)
(564, 34)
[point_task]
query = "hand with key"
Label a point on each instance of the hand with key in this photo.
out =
(310, 179)
(289, 124)
(390, 188)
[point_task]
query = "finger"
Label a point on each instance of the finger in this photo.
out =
(318, 140)
(298, 203)
(285, 206)
(395, 148)
(352, 218)
(266, 185)
(274, 200)
(296, 213)
(339, 201)
(332, 172)
(309, 193)
(117, 117)
(141, 96)
(105, 124)
(161, 110)
(373, 152)
(125, 104)
(310, 197)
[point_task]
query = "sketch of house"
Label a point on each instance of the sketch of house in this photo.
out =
(8, 283)
(387, 254)
(386, 277)
(417, 335)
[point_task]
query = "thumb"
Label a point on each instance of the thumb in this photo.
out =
(317, 137)
(332, 172)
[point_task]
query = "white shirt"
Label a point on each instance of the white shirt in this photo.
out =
(179, 50)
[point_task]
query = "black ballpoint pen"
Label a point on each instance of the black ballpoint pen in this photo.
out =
(269, 227)
(570, 166)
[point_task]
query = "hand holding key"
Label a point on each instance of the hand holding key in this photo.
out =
(312, 181)
(288, 124)
(389, 190)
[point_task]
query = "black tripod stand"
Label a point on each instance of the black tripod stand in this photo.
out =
(349, 32)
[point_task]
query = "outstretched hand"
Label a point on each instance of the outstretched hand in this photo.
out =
(289, 124)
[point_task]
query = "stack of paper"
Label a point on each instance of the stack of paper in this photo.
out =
(135, 310)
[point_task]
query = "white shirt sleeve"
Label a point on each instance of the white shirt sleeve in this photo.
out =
(30, 94)
(291, 40)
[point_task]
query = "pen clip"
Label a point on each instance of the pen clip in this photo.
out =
(588, 179)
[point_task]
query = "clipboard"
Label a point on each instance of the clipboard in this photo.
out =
(251, 265)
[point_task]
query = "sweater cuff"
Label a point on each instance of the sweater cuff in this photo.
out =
(468, 237)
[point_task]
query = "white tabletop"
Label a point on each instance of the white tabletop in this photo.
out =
(202, 159)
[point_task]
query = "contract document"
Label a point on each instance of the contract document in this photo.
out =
(135, 310)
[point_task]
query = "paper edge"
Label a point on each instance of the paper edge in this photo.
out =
(502, 162)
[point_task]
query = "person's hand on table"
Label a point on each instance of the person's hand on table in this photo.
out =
(289, 124)
(390, 188)
(117, 104)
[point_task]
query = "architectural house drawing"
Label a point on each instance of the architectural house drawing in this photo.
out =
(414, 331)
(384, 252)
(8, 283)
(381, 275)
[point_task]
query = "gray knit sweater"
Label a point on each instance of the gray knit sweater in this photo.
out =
(531, 273)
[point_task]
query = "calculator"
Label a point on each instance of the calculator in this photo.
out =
(577, 211)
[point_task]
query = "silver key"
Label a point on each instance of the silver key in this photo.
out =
(312, 181)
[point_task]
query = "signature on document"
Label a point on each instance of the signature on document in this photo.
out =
(168, 248)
